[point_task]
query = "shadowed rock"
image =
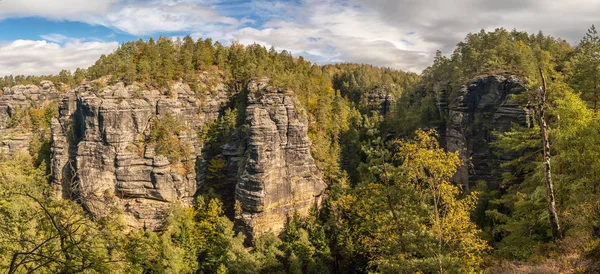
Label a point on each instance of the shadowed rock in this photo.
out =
(101, 155)
(472, 115)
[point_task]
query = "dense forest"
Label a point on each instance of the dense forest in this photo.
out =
(392, 205)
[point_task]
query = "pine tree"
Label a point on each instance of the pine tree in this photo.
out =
(587, 67)
(186, 58)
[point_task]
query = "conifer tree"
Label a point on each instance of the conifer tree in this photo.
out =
(586, 76)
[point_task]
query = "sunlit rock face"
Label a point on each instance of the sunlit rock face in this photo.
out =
(13, 137)
(102, 157)
(277, 174)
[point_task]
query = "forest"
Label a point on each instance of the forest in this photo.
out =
(392, 203)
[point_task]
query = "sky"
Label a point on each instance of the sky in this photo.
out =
(43, 37)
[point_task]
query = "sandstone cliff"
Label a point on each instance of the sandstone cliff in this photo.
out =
(380, 100)
(103, 157)
(276, 172)
(13, 136)
(471, 116)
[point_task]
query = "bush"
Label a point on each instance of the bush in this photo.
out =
(165, 134)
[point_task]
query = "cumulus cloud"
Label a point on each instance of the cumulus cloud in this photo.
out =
(137, 17)
(54, 37)
(38, 57)
(447, 22)
(338, 32)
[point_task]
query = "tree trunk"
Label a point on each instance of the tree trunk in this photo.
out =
(553, 216)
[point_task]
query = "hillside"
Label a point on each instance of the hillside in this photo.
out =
(183, 156)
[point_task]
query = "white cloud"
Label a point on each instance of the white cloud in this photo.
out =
(137, 17)
(54, 37)
(344, 32)
(144, 19)
(30, 57)
(447, 22)
(406, 34)
(57, 9)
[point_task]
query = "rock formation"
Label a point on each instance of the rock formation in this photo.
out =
(276, 172)
(472, 115)
(101, 153)
(102, 156)
(380, 100)
(17, 98)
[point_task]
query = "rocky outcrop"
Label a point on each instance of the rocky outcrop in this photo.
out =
(14, 137)
(277, 175)
(380, 100)
(102, 155)
(472, 115)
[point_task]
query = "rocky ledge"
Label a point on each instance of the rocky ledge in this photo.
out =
(14, 138)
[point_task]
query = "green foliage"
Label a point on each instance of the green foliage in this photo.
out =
(36, 120)
(165, 135)
(41, 234)
(410, 217)
(64, 77)
(356, 81)
(390, 207)
(215, 168)
(517, 217)
(159, 63)
(306, 246)
(216, 133)
(480, 53)
(586, 67)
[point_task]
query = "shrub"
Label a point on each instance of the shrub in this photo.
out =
(165, 134)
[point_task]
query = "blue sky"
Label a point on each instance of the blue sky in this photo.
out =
(42, 37)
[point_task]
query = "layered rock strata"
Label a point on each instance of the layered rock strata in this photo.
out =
(472, 115)
(102, 156)
(277, 175)
(14, 138)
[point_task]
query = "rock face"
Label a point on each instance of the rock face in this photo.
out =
(18, 98)
(380, 100)
(101, 153)
(277, 175)
(471, 116)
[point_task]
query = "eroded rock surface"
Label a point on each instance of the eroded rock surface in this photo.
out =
(277, 175)
(381, 100)
(101, 153)
(472, 115)
(14, 137)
